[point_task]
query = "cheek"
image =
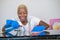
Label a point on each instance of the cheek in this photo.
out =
(25, 15)
(19, 14)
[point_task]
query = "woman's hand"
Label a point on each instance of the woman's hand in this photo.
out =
(34, 33)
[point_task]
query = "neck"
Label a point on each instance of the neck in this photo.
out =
(24, 22)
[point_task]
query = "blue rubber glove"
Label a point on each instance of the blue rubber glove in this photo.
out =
(39, 29)
(11, 25)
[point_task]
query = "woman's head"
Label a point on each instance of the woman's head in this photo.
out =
(22, 12)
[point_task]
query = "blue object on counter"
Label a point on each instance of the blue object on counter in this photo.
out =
(10, 26)
(42, 33)
(12, 23)
(39, 29)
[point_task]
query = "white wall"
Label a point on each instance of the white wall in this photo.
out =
(44, 9)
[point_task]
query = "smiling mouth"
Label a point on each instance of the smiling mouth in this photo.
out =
(22, 18)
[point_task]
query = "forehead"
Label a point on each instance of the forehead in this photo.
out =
(22, 10)
(22, 7)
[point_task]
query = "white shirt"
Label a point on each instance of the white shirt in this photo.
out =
(26, 29)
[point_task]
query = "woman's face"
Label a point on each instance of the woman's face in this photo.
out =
(22, 14)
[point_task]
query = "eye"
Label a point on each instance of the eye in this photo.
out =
(25, 13)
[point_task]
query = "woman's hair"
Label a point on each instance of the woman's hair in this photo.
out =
(21, 6)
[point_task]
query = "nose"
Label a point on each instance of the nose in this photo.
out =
(22, 14)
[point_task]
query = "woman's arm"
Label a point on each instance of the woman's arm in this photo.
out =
(43, 23)
(3, 32)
